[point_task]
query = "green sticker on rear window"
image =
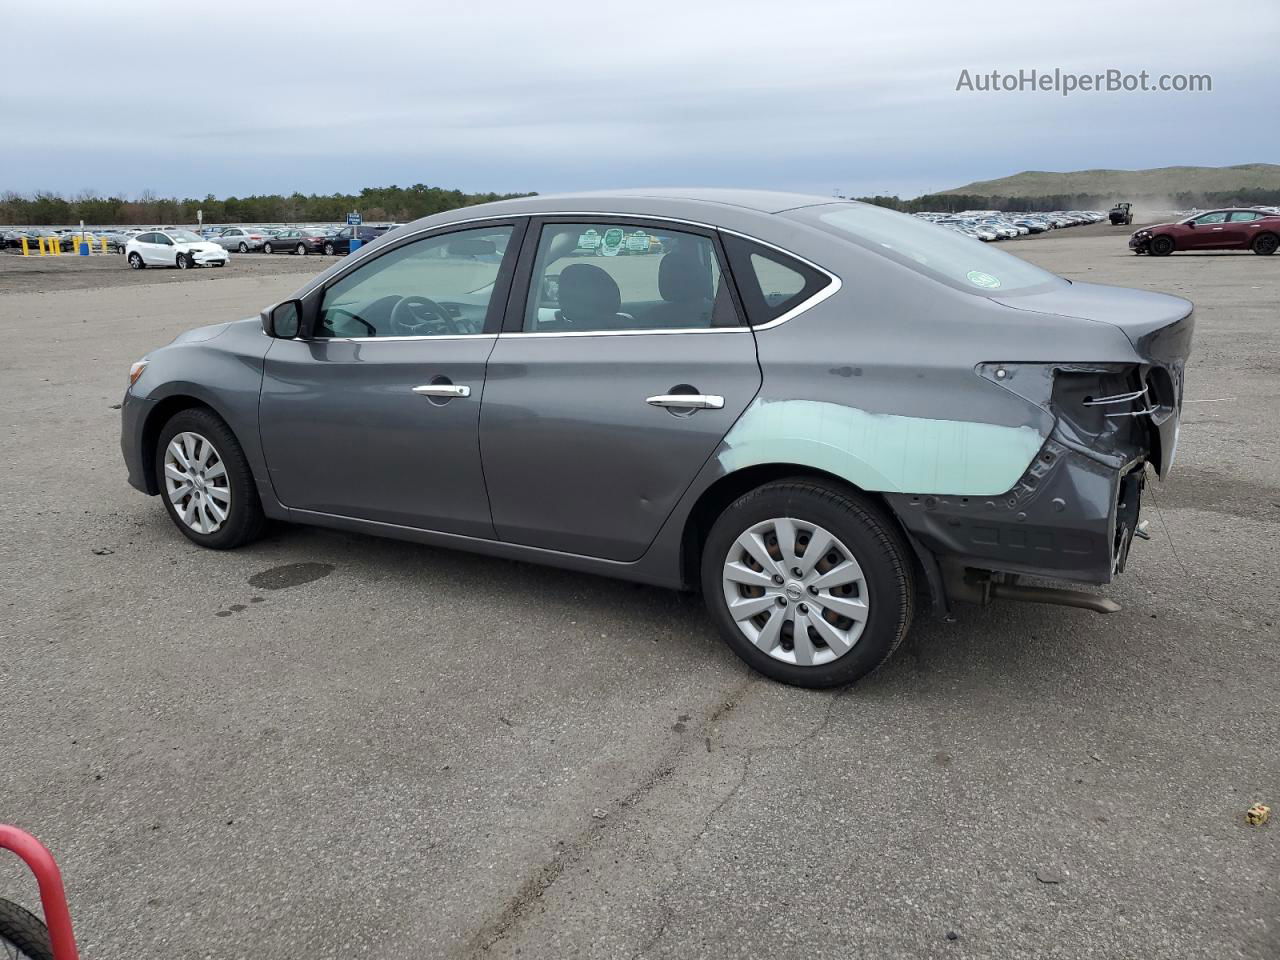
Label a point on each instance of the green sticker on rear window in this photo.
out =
(980, 279)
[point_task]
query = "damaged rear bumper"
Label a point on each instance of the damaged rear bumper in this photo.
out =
(1071, 516)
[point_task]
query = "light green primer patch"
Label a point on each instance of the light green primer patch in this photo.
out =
(883, 452)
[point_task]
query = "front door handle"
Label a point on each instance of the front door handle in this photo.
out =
(687, 401)
(442, 390)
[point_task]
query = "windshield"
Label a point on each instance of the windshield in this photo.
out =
(184, 236)
(942, 254)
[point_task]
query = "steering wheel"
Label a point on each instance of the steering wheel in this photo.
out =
(416, 316)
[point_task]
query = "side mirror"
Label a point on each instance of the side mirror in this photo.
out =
(283, 321)
(1191, 224)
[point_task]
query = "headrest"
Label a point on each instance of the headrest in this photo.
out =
(682, 276)
(588, 295)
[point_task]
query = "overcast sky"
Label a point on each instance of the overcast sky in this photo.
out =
(508, 95)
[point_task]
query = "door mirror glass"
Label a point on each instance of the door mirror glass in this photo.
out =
(284, 320)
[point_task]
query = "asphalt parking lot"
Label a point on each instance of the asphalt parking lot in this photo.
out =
(326, 745)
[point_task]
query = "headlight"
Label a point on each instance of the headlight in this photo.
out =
(136, 371)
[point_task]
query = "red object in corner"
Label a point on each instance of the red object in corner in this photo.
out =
(52, 897)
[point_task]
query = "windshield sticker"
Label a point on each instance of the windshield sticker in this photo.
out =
(985, 280)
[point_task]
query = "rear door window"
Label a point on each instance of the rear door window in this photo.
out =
(619, 276)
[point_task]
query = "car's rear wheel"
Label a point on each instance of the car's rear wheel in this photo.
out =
(135, 261)
(1160, 246)
(301, 250)
(266, 248)
(205, 481)
(23, 935)
(1265, 244)
(181, 261)
(810, 584)
(244, 247)
(328, 249)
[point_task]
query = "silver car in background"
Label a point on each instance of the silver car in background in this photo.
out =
(240, 239)
(821, 414)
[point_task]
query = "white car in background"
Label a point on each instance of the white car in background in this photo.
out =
(173, 248)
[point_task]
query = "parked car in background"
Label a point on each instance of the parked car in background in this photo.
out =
(340, 242)
(1233, 228)
(686, 417)
(300, 242)
(173, 248)
(241, 239)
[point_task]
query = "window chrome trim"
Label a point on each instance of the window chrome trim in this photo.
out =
(830, 290)
(442, 336)
(630, 332)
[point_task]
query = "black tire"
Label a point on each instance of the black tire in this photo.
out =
(300, 249)
(136, 262)
(181, 261)
(23, 930)
(1160, 246)
(1265, 244)
(244, 519)
(869, 534)
(244, 247)
(328, 250)
(266, 248)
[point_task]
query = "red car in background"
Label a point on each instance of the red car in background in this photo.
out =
(1231, 229)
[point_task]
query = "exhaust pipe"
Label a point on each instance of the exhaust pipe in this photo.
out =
(1055, 595)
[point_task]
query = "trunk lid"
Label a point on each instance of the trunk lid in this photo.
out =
(1159, 327)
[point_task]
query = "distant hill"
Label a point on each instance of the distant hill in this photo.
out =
(1135, 185)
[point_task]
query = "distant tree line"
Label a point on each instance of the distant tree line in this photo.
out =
(955, 202)
(374, 203)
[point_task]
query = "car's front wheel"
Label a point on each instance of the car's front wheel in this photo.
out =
(135, 261)
(301, 250)
(1160, 246)
(266, 248)
(328, 249)
(205, 481)
(1265, 244)
(810, 584)
(182, 261)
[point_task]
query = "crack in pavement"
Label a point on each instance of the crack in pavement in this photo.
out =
(748, 755)
(544, 877)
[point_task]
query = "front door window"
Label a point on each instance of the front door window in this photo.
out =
(440, 286)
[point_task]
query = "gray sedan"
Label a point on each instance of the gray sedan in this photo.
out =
(823, 415)
(241, 239)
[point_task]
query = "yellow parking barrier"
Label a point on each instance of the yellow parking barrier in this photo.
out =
(104, 244)
(25, 251)
(41, 239)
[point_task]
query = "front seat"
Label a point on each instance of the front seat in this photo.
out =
(685, 285)
(589, 300)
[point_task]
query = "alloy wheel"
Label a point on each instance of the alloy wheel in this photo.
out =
(795, 591)
(196, 483)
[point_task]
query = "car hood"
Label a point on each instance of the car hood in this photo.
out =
(200, 334)
(1155, 226)
(202, 246)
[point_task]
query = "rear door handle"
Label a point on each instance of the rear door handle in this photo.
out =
(442, 390)
(687, 401)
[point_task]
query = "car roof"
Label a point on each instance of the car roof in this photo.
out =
(708, 204)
